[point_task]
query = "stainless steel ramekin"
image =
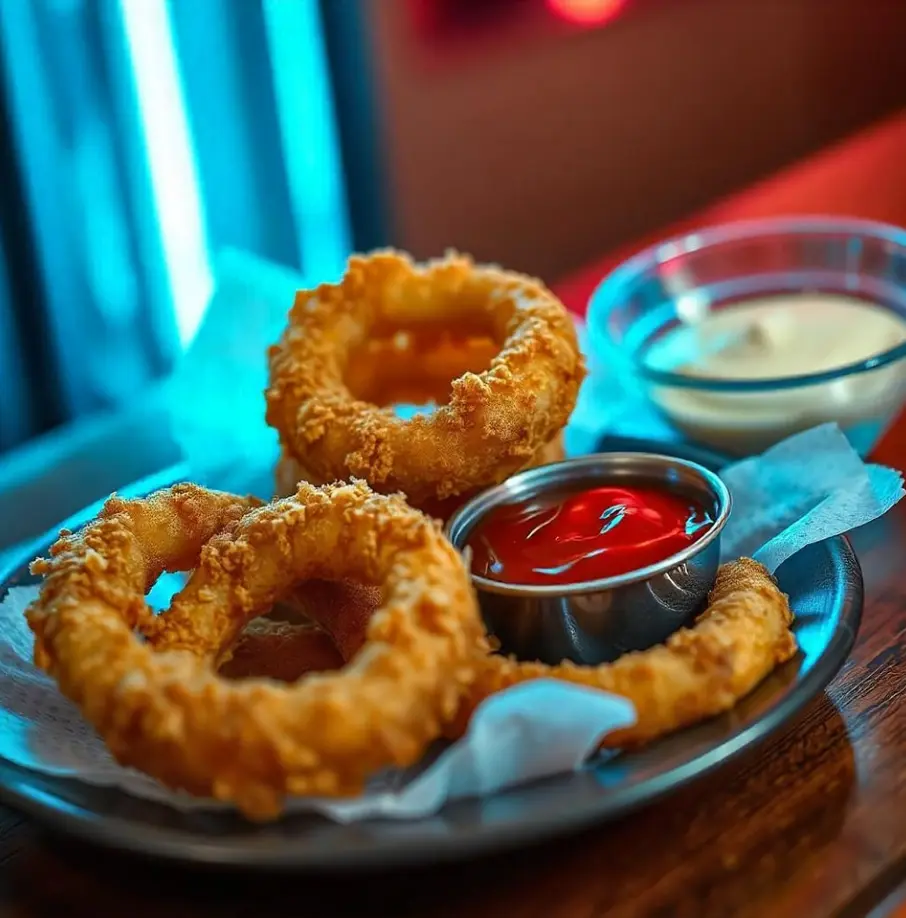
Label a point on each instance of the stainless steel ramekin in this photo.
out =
(598, 621)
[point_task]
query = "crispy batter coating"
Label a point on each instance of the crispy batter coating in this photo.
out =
(160, 705)
(698, 673)
(289, 472)
(494, 422)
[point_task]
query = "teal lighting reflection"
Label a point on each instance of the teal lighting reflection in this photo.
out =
(309, 136)
(171, 161)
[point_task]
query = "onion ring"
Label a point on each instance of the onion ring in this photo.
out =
(161, 707)
(290, 472)
(494, 423)
(698, 673)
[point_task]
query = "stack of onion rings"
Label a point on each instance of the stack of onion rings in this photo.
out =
(494, 423)
(160, 705)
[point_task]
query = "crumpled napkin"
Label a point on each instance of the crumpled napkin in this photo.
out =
(216, 392)
(808, 488)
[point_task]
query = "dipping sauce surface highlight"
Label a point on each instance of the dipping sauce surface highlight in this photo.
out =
(779, 336)
(568, 537)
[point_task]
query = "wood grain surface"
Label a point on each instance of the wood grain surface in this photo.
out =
(813, 824)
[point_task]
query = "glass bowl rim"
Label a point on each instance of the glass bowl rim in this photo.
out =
(604, 298)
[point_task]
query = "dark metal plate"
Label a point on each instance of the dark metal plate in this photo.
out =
(825, 586)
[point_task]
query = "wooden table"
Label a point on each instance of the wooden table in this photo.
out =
(812, 825)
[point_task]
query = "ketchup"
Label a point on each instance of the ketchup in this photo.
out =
(575, 537)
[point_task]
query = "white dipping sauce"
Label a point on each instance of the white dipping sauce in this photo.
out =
(780, 336)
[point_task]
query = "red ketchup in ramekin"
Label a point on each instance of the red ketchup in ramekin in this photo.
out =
(569, 537)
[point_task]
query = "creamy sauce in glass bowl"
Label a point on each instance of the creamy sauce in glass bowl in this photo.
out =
(773, 337)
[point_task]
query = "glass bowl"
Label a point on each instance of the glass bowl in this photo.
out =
(645, 321)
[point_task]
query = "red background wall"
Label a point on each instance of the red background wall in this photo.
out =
(543, 150)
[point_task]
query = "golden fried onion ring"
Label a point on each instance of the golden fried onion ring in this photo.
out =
(698, 673)
(289, 472)
(160, 705)
(494, 423)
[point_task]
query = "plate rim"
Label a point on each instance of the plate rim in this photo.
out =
(60, 814)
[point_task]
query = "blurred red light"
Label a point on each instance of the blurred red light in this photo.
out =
(586, 12)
